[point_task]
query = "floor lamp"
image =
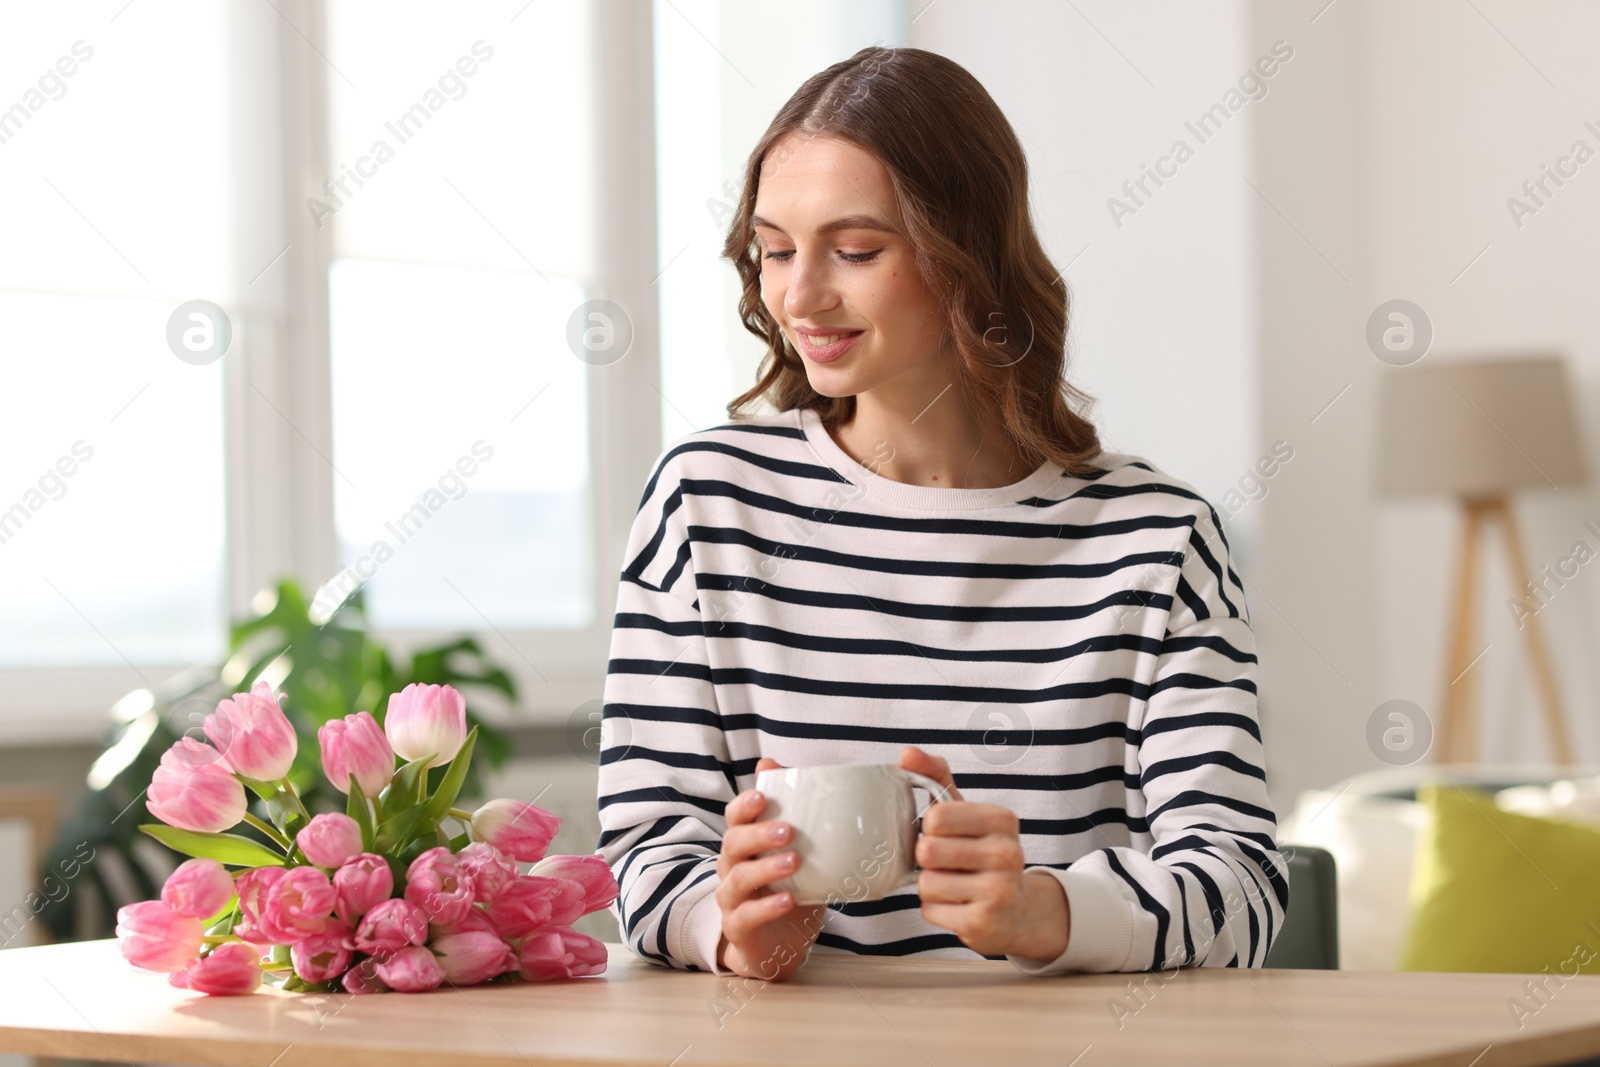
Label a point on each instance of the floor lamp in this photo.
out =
(1481, 430)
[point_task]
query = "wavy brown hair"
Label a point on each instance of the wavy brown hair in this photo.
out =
(961, 182)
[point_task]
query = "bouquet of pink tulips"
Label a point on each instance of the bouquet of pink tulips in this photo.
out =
(377, 898)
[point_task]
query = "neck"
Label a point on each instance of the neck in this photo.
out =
(927, 434)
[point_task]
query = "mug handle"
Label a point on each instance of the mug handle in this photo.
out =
(936, 793)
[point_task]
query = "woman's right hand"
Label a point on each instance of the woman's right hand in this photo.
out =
(764, 934)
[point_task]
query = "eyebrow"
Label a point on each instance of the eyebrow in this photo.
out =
(849, 222)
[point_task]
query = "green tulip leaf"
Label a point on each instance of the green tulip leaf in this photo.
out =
(361, 811)
(224, 848)
(397, 830)
(404, 790)
(450, 786)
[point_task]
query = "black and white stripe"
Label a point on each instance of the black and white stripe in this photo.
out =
(777, 600)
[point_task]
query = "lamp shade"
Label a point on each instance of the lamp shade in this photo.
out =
(1478, 428)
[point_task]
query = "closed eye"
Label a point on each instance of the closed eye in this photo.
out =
(848, 257)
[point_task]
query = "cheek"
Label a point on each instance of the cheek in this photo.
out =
(902, 304)
(772, 296)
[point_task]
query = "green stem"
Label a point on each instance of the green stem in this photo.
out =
(270, 831)
(464, 816)
(217, 939)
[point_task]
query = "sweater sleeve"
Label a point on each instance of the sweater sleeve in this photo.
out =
(1211, 891)
(665, 775)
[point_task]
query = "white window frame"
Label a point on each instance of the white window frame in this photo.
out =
(279, 486)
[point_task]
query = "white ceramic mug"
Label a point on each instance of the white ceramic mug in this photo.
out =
(854, 828)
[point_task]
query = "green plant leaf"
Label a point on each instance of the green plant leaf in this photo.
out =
(450, 786)
(224, 848)
(357, 808)
(402, 791)
(397, 830)
(460, 841)
(419, 844)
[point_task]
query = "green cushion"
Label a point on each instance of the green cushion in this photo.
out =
(1496, 891)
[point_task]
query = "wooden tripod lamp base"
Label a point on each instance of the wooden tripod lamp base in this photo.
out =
(1458, 718)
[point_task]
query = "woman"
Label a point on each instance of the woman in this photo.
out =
(925, 544)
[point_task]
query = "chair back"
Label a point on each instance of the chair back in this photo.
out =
(1309, 939)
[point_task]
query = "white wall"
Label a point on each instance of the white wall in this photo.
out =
(1315, 587)
(1458, 114)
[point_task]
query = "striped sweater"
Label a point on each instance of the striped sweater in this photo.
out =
(1077, 647)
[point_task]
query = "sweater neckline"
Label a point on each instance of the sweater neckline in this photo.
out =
(921, 497)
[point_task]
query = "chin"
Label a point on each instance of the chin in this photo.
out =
(834, 389)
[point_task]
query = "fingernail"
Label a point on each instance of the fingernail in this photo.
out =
(788, 860)
(781, 832)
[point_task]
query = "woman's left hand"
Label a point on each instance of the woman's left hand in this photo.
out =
(973, 880)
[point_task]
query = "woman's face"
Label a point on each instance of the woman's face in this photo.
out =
(836, 267)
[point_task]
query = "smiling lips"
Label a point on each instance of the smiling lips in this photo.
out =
(823, 347)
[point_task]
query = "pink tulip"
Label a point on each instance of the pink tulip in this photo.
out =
(198, 888)
(252, 886)
(390, 926)
(193, 789)
(363, 978)
(470, 958)
(491, 870)
(531, 902)
(424, 719)
(323, 955)
(330, 839)
(280, 906)
(591, 872)
(356, 745)
(475, 921)
(560, 953)
(410, 970)
(153, 936)
(253, 734)
(360, 884)
(515, 827)
(232, 969)
(438, 884)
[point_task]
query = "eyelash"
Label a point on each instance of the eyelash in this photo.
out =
(848, 257)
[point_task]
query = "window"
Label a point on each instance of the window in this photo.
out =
(118, 172)
(459, 412)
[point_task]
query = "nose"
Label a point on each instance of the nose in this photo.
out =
(810, 288)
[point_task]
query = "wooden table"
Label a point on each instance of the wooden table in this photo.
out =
(83, 1001)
